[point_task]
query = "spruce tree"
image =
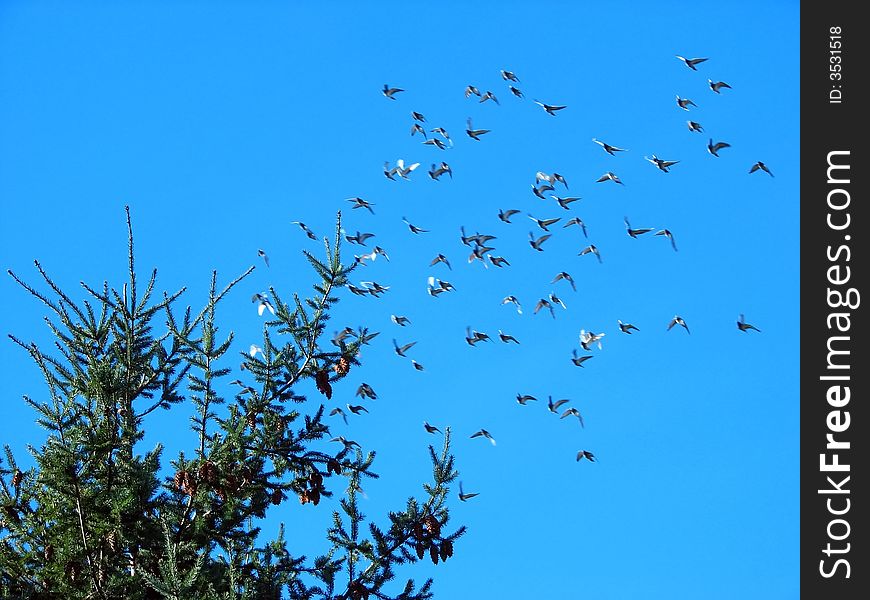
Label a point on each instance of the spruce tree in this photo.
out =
(99, 516)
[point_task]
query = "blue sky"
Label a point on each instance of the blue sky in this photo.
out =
(221, 124)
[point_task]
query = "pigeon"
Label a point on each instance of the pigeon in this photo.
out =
(463, 496)
(555, 300)
(717, 85)
(359, 238)
(400, 320)
(435, 142)
(587, 339)
(390, 92)
(585, 454)
(414, 228)
(539, 191)
(575, 413)
(498, 261)
(380, 251)
(550, 108)
(348, 444)
(567, 277)
(404, 171)
(484, 433)
(577, 359)
(544, 303)
(635, 232)
(564, 202)
(513, 300)
(762, 166)
(416, 365)
(305, 228)
(417, 116)
(591, 249)
(357, 408)
(685, 103)
(473, 337)
(678, 320)
(524, 398)
(515, 91)
(611, 176)
(389, 171)
(693, 126)
(366, 391)
(505, 215)
(474, 133)
(374, 288)
(360, 203)
(691, 62)
(440, 259)
(252, 351)
(554, 406)
(612, 150)
(400, 350)
(437, 171)
(626, 327)
(508, 76)
(430, 428)
(544, 223)
(579, 222)
(742, 325)
(536, 243)
(262, 254)
(667, 233)
(488, 96)
(507, 338)
(417, 128)
(442, 132)
(469, 90)
(263, 303)
(337, 411)
(662, 164)
(714, 148)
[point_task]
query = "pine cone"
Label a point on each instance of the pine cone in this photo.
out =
(251, 419)
(333, 465)
(421, 550)
(303, 497)
(48, 553)
(321, 378)
(208, 472)
(316, 479)
(433, 554)
(341, 367)
(112, 541)
(17, 477)
(277, 497)
(432, 525)
(184, 482)
(446, 549)
(315, 496)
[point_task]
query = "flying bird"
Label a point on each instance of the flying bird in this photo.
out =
(576, 221)
(263, 303)
(417, 128)
(509, 76)
(612, 150)
(539, 191)
(436, 172)
(400, 320)
(515, 91)
(567, 277)
(435, 142)
(513, 300)
(762, 166)
(544, 223)
(414, 228)
(430, 428)
(498, 261)
(544, 303)
(717, 85)
(678, 320)
(440, 259)
(348, 444)
(357, 408)
(252, 351)
(305, 228)
(262, 254)
(685, 103)
(337, 411)
(360, 203)
(550, 108)
(577, 359)
(574, 413)
(417, 116)
(484, 433)
(390, 92)
(714, 148)
(416, 365)
(359, 238)
(635, 232)
(609, 176)
(554, 406)
(695, 127)
(587, 339)
(564, 202)
(442, 132)
(591, 249)
(463, 496)
(742, 325)
(404, 171)
(536, 243)
(505, 215)
(626, 327)
(474, 133)
(524, 398)
(662, 164)
(667, 233)
(555, 300)
(400, 350)
(585, 454)
(469, 90)
(691, 62)
(488, 96)
(507, 338)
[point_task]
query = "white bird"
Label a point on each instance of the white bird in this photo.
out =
(691, 62)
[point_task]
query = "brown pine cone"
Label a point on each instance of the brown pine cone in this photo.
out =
(321, 378)
(432, 525)
(433, 554)
(421, 550)
(341, 367)
(277, 497)
(316, 479)
(17, 478)
(208, 472)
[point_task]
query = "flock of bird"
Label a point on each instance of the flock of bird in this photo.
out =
(479, 246)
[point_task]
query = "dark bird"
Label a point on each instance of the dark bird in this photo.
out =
(694, 126)
(440, 259)
(691, 62)
(544, 223)
(539, 191)
(416, 365)
(414, 228)
(498, 261)
(262, 254)
(417, 116)
(389, 171)
(585, 454)
(360, 203)
(348, 444)
(742, 325)
(305, 228)
(662, 164)
(573, 412)
(612, 150)
(717, 85)
(474, 133)
(381, 252)
(611, 176)
(515, 91)
(400, 320)
(390, 92)
(505, 215)
(374, 288)
(417, 128)
(576, 221)
(338, 411)
(507, 338)
(484, 433)
(577, 359)
(436, 172)
(359, 238)
(469, 90)
(430, 428)
(567, 277)
(714, 148)
(591, 249)
(678, 320)
(685, 103)
(473, 337)
(263, 303)
(342, 335)
(626, 327)
(667, 233)
(508, 76)
(555, 300)
(435, 142)
(564, 202)
(554, 406)
(442, 132)
(550, 108)
(357, 408)
(536, 243)
(635, 232)
(366, 391)
(463, 496)
(524, 398)
(544, 303)
(513, 300)
(400, 350)
(762, 166)
(560, 179)
(488, 96)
